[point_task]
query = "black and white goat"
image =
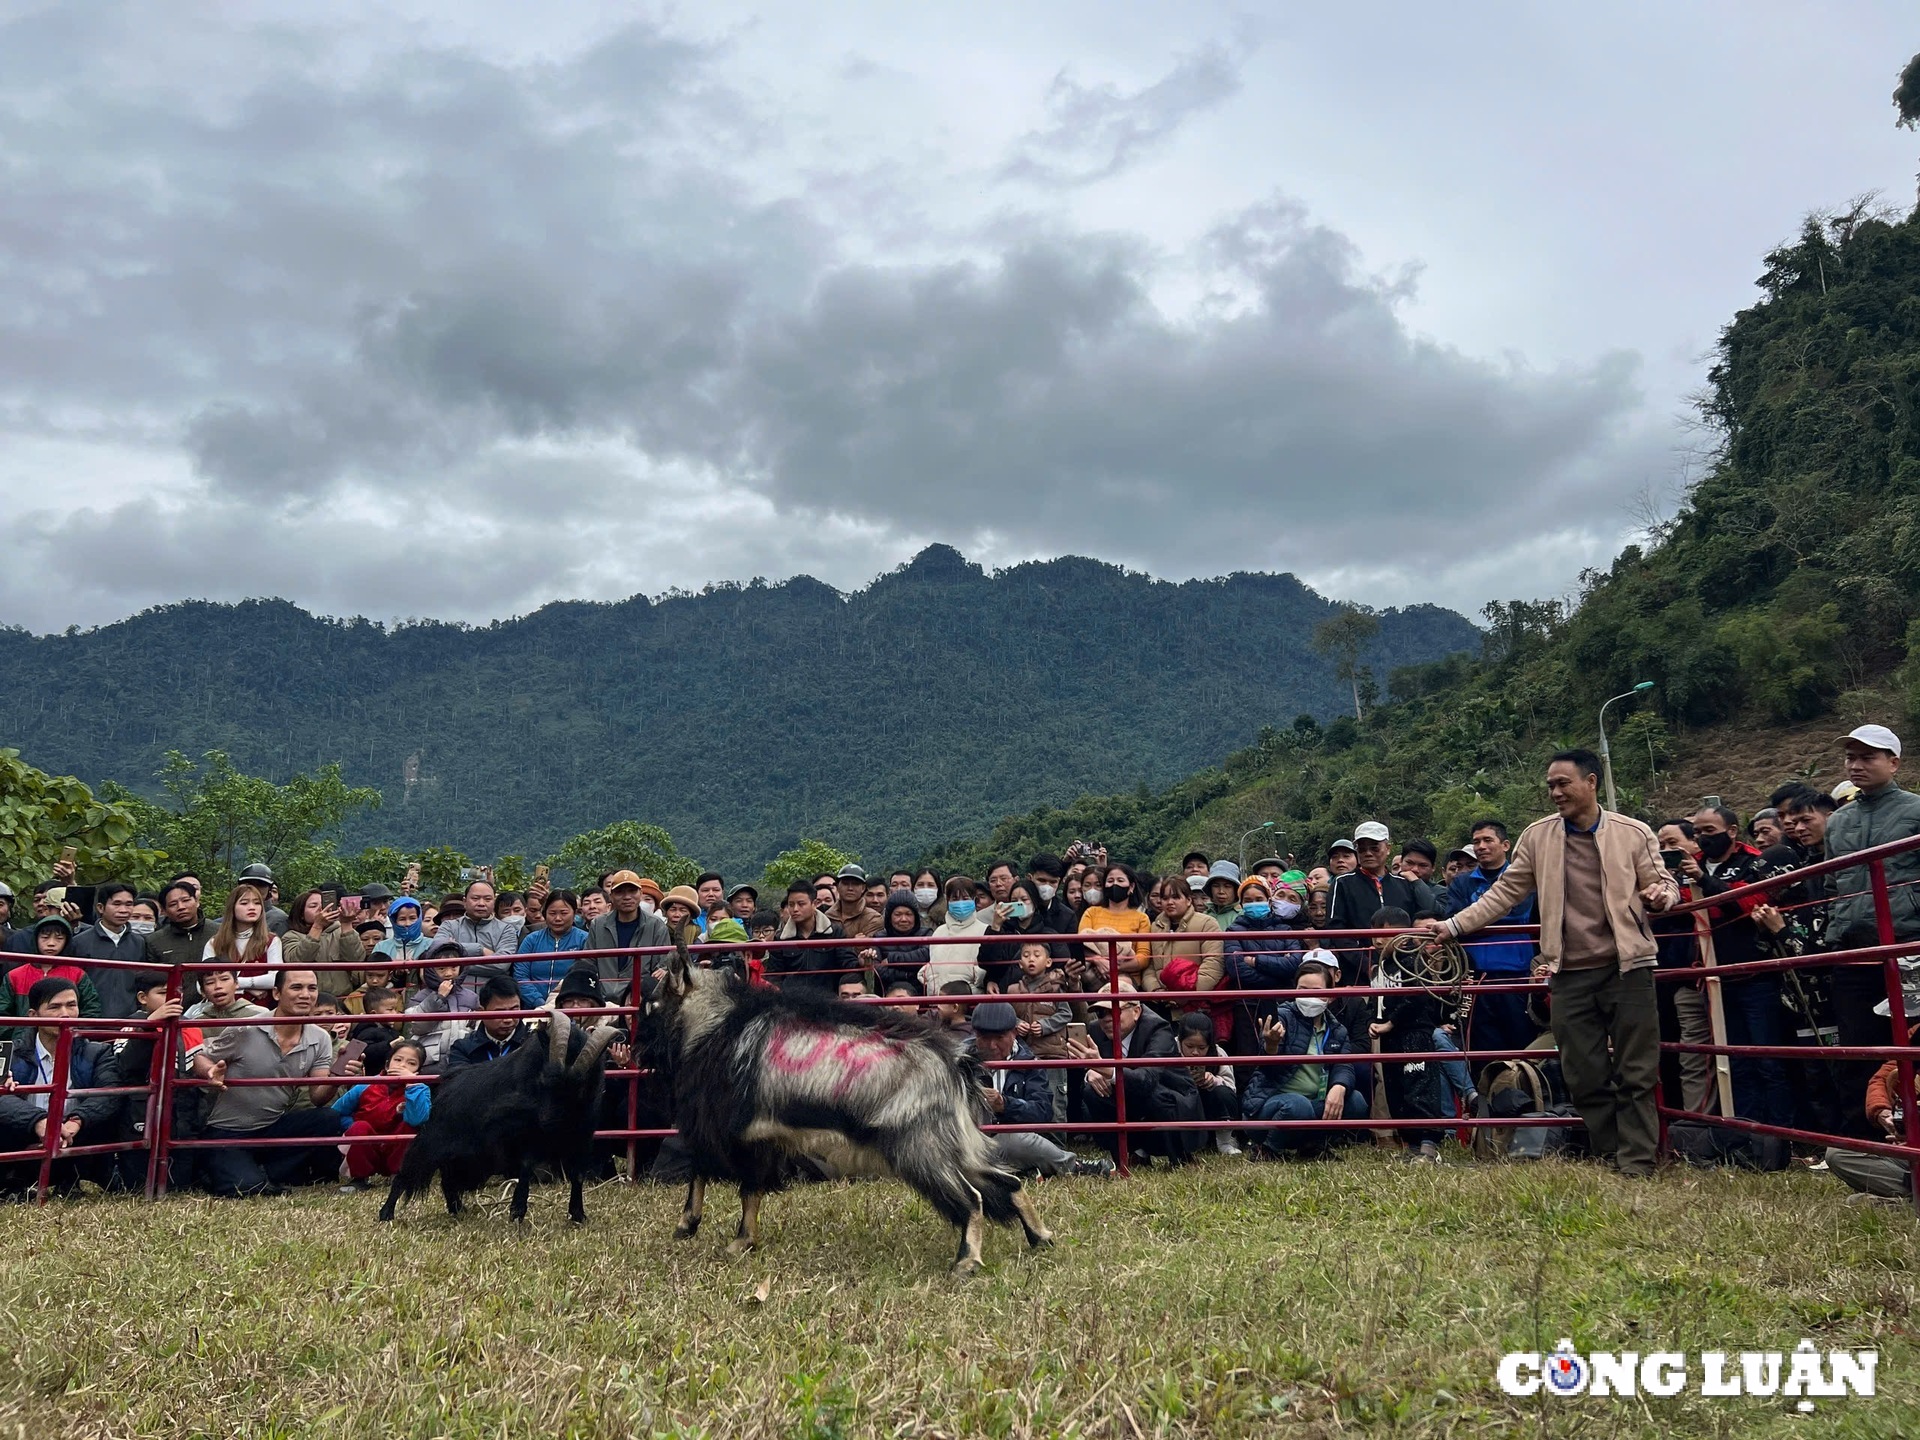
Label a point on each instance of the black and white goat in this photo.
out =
(761, 1078)
(535, 1107)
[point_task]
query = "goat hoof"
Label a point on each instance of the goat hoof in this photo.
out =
(737, 1248)
(963, 1269)
(684, 1231)
(1040, 1242)
(386, 1212)
(577, 1219)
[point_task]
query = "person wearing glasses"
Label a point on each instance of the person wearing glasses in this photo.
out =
(1158, 1093)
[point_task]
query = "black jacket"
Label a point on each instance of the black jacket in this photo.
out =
(115, 985)
(477, 1048)
(92, 1065)
(1028, 1096)
(1151, 1037)
(169, 945)
(811, 971)
(1352, 905)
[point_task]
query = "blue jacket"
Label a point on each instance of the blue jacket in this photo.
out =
(1260, 964)
(536, 978)
(413, 1110)
(1511, 955)
(1270, 1080)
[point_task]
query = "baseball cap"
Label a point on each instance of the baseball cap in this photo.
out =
(623, 877)
(6, 890)
(1370, 830)
(1339, 845)
(743, 889)
(1462, 853)
(1196, 882)
(851, 872)
(1325, 959)
(376, 891)
(1268, 860)
(1878, 736)
(1845, 791)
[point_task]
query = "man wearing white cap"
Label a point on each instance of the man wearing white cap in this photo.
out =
(1881, 812)
(1359, 894)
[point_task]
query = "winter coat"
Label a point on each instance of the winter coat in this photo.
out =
(1271, 1080)
(537, 978)
(1866, 821)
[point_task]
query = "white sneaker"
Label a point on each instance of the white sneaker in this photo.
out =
(1224, 1142)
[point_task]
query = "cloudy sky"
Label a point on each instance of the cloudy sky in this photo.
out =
(408, 309)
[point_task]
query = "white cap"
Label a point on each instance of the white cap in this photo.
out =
(1878, 736)
(1374, 830)
(1318, 956)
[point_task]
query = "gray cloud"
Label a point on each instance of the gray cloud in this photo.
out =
(1094, 132)
(403, 329)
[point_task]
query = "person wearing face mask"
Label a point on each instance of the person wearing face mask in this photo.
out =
(1251, 960)
(1748, 928)
(633, 920)
(1325, 1090)
(1057, 916)
(1022, 914)
(1113, 908)
(964, 921)
(927, 895)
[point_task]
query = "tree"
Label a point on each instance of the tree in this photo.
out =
(41, 814)
(1342, 638)
(804, 861)
(1906, 95)
(624, 845)
(214, 820)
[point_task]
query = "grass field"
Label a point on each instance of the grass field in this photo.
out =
(1356, 1298)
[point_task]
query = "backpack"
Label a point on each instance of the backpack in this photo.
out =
(1509, 1089)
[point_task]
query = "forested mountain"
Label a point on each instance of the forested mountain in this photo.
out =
(1786, 586)
(739, 719)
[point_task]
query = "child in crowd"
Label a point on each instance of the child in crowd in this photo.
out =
(445, 989)
(325, 1012)
(958, 1019)
(1043, 1023)
(1218, 1098)
(51, 937)
(394, 1110)
(377, 1030)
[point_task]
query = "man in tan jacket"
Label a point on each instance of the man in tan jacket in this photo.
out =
(1596, 874)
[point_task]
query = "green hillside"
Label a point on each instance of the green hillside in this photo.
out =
(1787, 585)
(739, 719)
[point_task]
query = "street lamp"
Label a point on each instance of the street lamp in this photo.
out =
(1265, 825)
(1606, 755)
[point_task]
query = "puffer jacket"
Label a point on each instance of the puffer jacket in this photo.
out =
(335, 944)
(1270, 1080)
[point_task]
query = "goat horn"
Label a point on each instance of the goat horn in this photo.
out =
(558, 1028)
(603, 1035)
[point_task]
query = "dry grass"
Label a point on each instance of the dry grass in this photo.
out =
(1361, 1297)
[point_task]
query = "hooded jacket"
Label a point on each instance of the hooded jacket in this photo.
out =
(901, 964)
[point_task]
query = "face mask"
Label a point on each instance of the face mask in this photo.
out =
(407, 934)
(960, 911)
(925, 895)
(1714, 846)
(1310, 1007)
(1118, 894)
(646, 907)
(1286, 909)
(1092, 895)
(1019, 910)
(1256, 909)
(140, 927)
(1047, 892)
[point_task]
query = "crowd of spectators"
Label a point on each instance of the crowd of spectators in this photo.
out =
(359, 986)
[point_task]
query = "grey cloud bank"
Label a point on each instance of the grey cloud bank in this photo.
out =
(389, 325)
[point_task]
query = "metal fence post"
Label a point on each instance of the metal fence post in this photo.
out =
(1897, 1015)
(1113, 1038)
(56, 1107)
(160, 1098)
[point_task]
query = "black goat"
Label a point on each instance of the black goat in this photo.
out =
(507, 1117)
(762, 1079)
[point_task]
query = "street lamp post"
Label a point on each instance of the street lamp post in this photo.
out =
(1265, 825)
(1606, 755)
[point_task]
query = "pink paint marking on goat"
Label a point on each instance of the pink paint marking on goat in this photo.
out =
(801, 1049)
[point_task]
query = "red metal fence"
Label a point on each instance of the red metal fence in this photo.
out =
(159, 1141)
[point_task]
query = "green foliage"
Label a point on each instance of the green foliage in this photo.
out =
(214, 820)
(41, 814)
(928, 704)
(440, 867)
(1906, 95)
(1342, 637)
(804, 861)
(624, 845)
